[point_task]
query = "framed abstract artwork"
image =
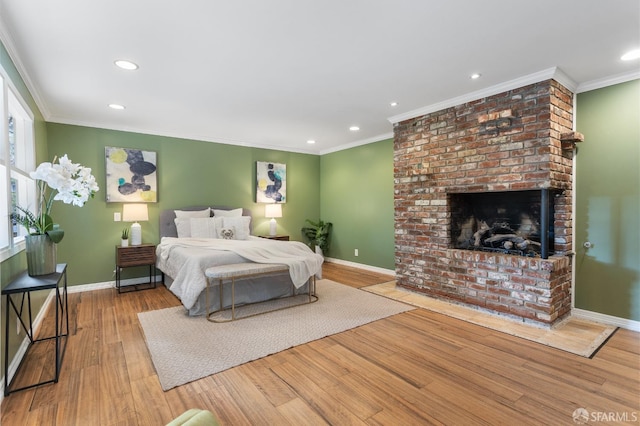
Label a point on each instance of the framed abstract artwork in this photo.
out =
(131, 175)
(271, 182)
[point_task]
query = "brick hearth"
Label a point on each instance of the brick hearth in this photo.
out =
(506, 142)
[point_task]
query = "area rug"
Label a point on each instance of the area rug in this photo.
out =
(575, 335)
(184, 349)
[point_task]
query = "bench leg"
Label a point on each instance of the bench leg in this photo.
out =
(233, 299)
(208, 310)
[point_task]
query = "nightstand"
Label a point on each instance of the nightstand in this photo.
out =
(142, 255)
(276, 237)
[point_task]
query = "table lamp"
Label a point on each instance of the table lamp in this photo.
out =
(273, 211)
(135, 213)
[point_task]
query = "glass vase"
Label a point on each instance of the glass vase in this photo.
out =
(41, 255)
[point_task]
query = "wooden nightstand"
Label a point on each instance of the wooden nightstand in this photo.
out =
(276, 237)
(142, 255)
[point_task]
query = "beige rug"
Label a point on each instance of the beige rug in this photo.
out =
(578, 336)
(184, 349)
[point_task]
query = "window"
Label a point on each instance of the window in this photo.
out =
(17, 159)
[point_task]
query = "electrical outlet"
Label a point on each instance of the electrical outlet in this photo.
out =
(116, 217)
(355, 252)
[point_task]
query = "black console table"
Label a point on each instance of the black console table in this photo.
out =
(24, 285)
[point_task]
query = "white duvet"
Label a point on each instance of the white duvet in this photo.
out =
(186, 259)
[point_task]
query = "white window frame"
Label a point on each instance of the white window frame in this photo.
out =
(12, 101)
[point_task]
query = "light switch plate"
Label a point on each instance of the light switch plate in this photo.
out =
(116, 217)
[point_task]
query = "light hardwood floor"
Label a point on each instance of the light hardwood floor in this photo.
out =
(414, 368)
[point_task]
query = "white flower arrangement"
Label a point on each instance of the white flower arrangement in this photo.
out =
(66, 181)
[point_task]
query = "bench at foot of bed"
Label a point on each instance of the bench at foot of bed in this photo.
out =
(217, 275)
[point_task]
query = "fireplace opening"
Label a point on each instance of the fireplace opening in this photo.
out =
(515, 222)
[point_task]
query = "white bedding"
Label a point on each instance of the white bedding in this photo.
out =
(186, 259)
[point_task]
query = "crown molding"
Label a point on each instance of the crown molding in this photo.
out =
(608, 81)
(186, 136)
(547, 74)
(361, 142)
(9, 45)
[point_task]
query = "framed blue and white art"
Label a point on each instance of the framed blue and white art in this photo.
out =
(271, 182)
(131, 175)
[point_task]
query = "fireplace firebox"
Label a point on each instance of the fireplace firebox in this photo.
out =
(514, 222)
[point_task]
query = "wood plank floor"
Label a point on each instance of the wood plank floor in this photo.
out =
(414, 368)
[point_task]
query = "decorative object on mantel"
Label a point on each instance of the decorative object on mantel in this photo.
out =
(124, 241)
(318, 234)
(65, 181)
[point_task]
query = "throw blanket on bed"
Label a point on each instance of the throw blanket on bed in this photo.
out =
(188, 273)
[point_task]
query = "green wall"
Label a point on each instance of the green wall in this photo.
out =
(356, 193)
(608, 201)
(189, 173)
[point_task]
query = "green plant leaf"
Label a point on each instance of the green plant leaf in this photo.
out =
(318, 234)
(56, 235)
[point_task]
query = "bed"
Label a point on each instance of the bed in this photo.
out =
(183, 256)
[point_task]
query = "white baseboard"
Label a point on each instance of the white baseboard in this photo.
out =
(361, 266)
(111, 284)
(606, 319)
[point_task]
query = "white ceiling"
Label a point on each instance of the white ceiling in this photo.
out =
(276, 73)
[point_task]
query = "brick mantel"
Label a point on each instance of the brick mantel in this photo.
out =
(507, 142)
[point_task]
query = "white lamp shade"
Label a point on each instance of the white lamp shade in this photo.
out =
(273, 210)
(135, 212)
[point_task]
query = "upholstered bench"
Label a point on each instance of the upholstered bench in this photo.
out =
(217, 275)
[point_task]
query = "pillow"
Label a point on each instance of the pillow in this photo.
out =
(183, 226)
(227, 233)
(240, 225)
(228, 213)
(203, 227)
(193, 213)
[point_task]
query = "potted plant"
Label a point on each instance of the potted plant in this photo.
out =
(124, 242)
(63, 180)
(318, 234)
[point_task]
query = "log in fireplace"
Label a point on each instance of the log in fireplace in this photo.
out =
(513, 222)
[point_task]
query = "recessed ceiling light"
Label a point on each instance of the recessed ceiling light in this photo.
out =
(126, 65)
(354, 128)
(311, 141)
(631, 55)
(393, 104)
(116, 106)
(475, 76)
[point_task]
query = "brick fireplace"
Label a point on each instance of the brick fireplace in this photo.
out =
(509, 146)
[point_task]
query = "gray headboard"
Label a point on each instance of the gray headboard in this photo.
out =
(168, 225)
